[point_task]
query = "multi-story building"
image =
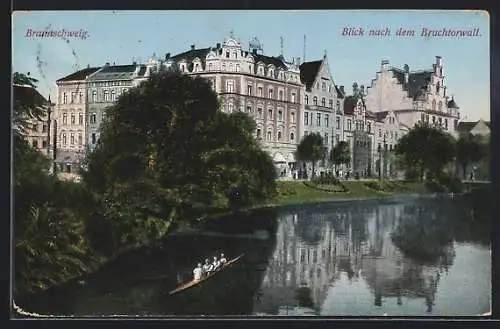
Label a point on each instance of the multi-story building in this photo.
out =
(37, 133)
(414, 96)
(359, 128)
(323, 102)
(104, 88)
(69, 122)
(267, 88)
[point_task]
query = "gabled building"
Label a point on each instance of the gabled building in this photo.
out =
(267, 88)
(414, 96)
(323, 102)
(480, 127)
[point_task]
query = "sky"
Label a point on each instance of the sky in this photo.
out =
(124, 36)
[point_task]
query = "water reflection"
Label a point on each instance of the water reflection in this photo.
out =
(398, 252)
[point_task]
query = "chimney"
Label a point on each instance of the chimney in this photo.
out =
(192, 47)
(218, 45)
(167, 56)
(439, 61)
(407, 73)
(385, 65)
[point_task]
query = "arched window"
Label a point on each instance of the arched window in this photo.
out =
(65, 119)
(269, 135)
(279, 135)
(94, 96)
(434, 105)
(63, 137)
(440, 106)
(315, 100)
(323, 102)
(331, 103)
(292, 137)
(338, 105)
(113, 95)
(306, 100)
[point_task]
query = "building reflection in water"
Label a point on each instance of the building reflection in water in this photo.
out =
(317, 247)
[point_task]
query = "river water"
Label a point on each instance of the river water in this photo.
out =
(412, 256)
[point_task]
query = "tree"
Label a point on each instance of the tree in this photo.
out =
(426, 148)
(340, 154)
(167, 153)
(470, 150)
(311, 149)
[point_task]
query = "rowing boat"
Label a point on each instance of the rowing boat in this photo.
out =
(196, 282)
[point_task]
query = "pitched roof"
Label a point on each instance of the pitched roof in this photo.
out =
(192, 54)
(417, 81)
(350, 103)
(28, 95)
(380, 116)
(142, 70)
(340, 93)
(308, 72)
(115, 72)
(466, 126)
(79, 75)
(276, 61)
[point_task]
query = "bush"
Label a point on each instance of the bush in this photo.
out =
(374, 186)
(326, 179)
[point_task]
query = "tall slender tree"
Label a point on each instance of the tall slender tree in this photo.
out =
(311, 149)
(340, 154)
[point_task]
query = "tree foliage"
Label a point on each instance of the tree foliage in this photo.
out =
(470, 149)
(340, 154)
(311, 149)
(167, 153)
(426, 149)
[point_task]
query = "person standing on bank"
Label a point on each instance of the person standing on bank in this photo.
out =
(197, 272)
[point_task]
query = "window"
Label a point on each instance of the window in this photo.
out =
(338, 122)
(261, 70)
(80, 98)
(318, 119)
(113, 95)
(330, 103)
(72, 118)
(270, 93)
(80, 118)
(44, 143)
(197, 67)
(279, 135)
(317, 85)
(106, 96)
(230, 106)
(280, 95)
(362, 126)
(34, 143)
(80, 139)
(68, 168)
(390, 147)
(65, 98)
(292, 98)
(323, 86)
(270, 114)
(327, 120)
(349, 124)
(380, 133)
(292, 137)
(306, 118)
(433, 119)
(422, 117)
(446, 124)
(72, 138)
(73, 97)
(93, 138)
(280, 115)
(337, 138)
(315, 101)
(455, 124)
(338, 105)
(292, 117)
(323, 102)
(434, 105)
(259, 91)
(229, 87)
(237, 67)
(357, 125)
(223, 66)
(93, 118)
(259, 134)
(44, 128)
(369, 127)
(326, 139)
(230, 67)
(94, 96)
(249, 109)
(227, 54)
(259, 111)
(427, 118)
(440, 121)
(269, 135)
(210, 66)
(306, 100)
(249, 90)
(440, 106)
(65, 119)
(64, 141)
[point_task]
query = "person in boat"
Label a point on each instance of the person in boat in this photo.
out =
(207, 267)
(198, 272)
(215, 264)
(223, 259)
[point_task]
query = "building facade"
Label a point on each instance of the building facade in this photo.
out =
(323, 103)
(69, 122)
(414, 96)
(267, 88)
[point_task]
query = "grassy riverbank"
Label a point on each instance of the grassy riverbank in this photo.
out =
(297, 192)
